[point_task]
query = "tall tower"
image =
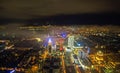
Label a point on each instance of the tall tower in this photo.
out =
(49, 45)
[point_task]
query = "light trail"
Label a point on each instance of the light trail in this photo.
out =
(63, 64)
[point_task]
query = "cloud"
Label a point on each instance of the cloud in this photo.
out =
(33, 8)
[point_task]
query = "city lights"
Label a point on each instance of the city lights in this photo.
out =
(59, 36)
(60, 49)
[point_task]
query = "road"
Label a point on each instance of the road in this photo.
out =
(63, 64)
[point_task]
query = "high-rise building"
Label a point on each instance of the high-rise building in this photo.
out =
(71, 41)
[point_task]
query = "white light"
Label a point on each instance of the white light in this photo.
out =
(78, 44)
(49, 41)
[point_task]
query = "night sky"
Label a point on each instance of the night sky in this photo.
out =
(87, 11)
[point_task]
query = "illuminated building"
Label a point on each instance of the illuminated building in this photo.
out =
(71, 41)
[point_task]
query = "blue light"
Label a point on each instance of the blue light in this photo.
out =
(88, 51)
(12, 71)
(78, 44)
(49, 40)
(64, 35)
